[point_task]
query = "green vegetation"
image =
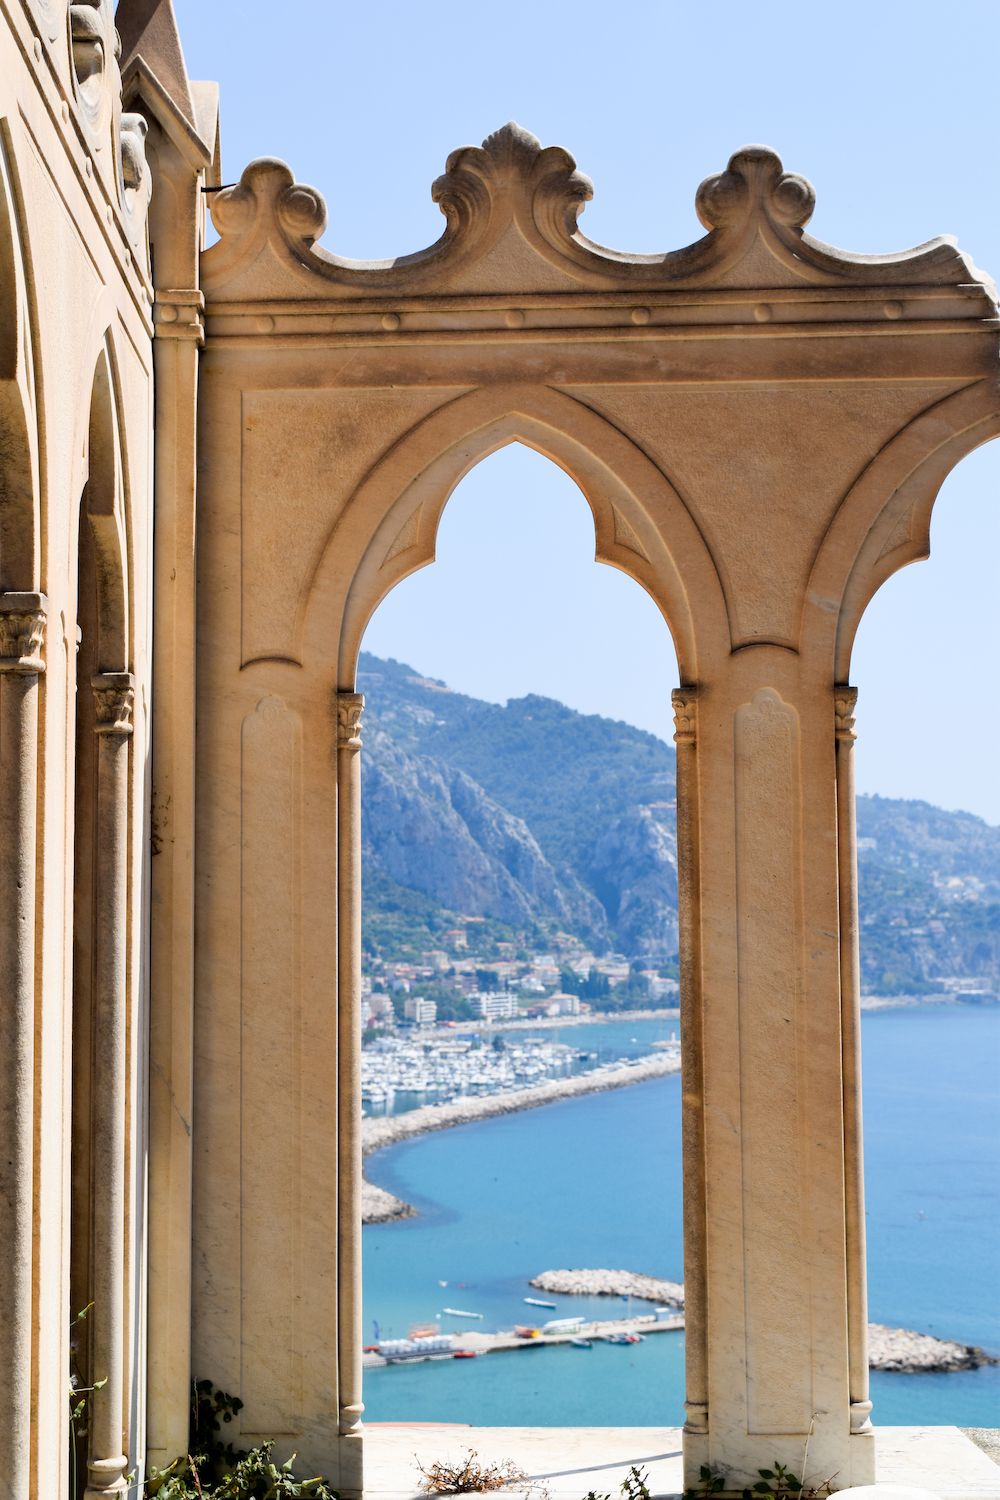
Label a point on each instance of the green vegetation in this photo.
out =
(213, 1469)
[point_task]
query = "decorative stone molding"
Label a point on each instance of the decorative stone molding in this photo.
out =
(350, 707)
(844, 703)
(179, 313)
(696, 1417)
(22, 633)
(114, 699)
(350, 1419)
(754, 212)
(685, 702)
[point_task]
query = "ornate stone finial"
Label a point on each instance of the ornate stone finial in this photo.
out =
(268, 193)
(350, 707)
(22, 633)
(755, 184)
(511, 159)
(685, 702)
(844, 703)
(114, 700)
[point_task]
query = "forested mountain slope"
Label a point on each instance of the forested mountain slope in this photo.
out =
(538, 817)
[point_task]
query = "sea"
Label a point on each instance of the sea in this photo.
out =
(596, 1182)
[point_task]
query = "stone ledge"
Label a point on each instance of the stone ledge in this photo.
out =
(570, 1461)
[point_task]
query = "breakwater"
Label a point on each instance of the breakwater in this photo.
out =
(897, 1349)
(378, 1206)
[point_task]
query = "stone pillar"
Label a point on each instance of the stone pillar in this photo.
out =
(845, 699)
(113, 696)
(685, 702)
(22, 633)
(349, 710)
(774, 1321)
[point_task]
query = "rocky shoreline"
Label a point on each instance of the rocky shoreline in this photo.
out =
(379, 1206)
(895, 1349)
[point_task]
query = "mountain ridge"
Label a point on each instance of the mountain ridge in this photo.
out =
(537, 817)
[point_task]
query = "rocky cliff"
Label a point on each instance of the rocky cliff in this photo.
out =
(535, 816)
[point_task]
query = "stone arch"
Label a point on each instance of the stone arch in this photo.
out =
(389, 527)
(884, 521)
(19, 487)
(104, 511)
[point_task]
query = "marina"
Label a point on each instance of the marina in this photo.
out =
(569, 1332)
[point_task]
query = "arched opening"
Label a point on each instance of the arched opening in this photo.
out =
(929, 889)
(519, 843)
(99, 1438)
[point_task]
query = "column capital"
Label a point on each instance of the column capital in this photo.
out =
(845, 701)
(350, 707)
(685, 702)
(114, 699)
(22, 633)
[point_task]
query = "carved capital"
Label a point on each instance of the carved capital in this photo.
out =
(179, 313)
(350, 707)
(114, 700)
(22, 633)
(685, 702)
(844, 703)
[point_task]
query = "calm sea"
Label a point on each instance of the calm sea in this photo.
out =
(596, 1182)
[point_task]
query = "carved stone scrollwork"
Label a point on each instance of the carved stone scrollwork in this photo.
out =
(268, 193)
(22, 633)
(844, 703)
(685, 702)
(350, 707)
(755, 185)
(114, 701)
(512, 158)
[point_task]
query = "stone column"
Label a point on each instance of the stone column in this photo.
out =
(22, 633)
(775, 1317)
(685, 702)
(113, 696)
(845, 699)
(349, 710)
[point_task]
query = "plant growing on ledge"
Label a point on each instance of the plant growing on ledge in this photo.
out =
(215, 1470)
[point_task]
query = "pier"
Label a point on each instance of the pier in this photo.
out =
(476, 1342)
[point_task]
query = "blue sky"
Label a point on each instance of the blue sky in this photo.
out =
(890, 109)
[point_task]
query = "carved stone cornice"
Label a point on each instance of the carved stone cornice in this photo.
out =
(22, 633)
(685, 702)
(844, 703)
(114, 700)
(754, 212)
(179, 313)
(350, 707)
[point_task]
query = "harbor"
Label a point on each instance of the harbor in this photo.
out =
(573, 1333)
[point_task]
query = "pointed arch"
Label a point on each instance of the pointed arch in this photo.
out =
(884, 521)
(103, 514)
(388, 529)
(19, 486)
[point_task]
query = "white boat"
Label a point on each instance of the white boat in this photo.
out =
(537, 1302)
(458, 1312)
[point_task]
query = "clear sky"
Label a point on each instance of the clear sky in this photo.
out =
(891, 111)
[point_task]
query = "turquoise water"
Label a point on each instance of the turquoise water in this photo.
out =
(596, 1182)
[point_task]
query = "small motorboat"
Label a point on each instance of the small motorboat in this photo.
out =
(458, 1312)
(581, 1343)
(466, 1354)
(537, 1302)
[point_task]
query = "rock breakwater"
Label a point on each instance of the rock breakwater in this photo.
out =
(611, 1284)
(894, 1349)
(388, 1130)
